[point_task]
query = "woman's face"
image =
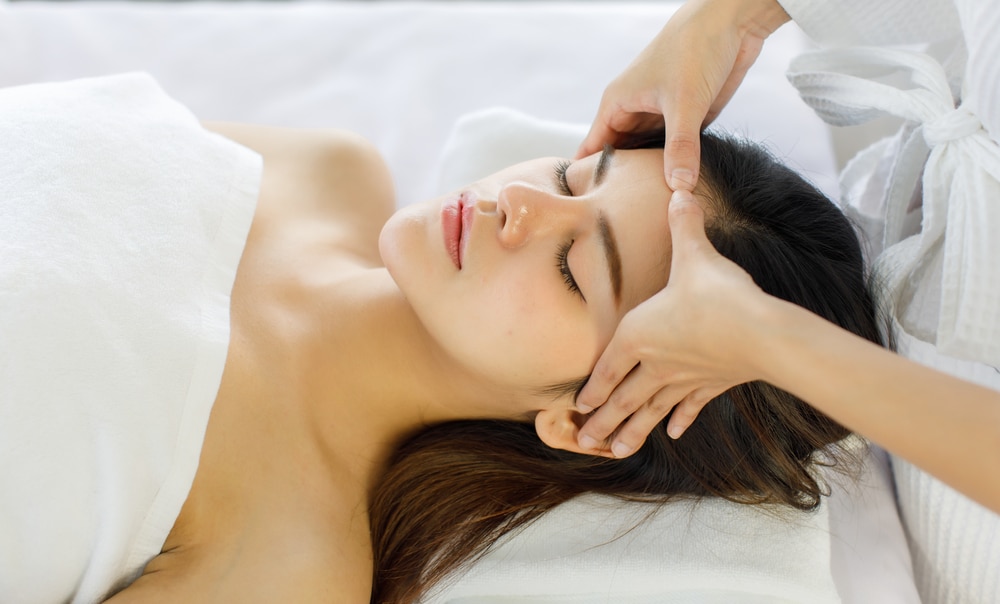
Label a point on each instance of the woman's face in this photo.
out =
(523, 276)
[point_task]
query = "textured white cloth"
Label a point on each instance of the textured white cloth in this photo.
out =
(930, 197)
(851, 550)
(863, 22)
(713, 551)
(121, 226)
(960, 185)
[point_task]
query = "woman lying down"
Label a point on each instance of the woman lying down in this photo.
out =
(235, 381)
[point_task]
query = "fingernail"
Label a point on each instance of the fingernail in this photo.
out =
(621, 449)
(583, 408)
(681, 179)
(675, 432)
(588, 442)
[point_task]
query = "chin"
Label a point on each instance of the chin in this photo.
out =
(385, 245)
(395, 244)
(403, 247)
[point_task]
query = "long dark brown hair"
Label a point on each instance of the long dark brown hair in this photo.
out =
(454, 489)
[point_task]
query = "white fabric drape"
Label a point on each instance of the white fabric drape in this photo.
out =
(960, 184)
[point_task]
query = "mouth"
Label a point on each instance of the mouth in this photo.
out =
(456, 220)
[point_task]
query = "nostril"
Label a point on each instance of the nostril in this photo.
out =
(503, 217)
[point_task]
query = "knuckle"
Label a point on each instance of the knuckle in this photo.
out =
(688, 410)
(598, 432)
(683, 414)
(605, 374)
(681, 144)
(702, 397)
(660, 373)
(633, 436)
(661, 404)
(622, 404)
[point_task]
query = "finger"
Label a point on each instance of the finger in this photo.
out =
(615, 363)
(646, 419)
(688, 409)
(605, 129)
(687, 228)
(682, 143)
(630, 395)
(681, 163)
(599, 134)
(614, 128)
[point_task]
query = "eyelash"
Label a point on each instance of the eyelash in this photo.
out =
(562, 255)
(561, 182)
(562, 263)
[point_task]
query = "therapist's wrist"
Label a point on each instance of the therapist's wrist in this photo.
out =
(776, 329)
(760, 18)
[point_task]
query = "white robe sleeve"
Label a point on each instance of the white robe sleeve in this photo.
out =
(980, 21)
(853, 22)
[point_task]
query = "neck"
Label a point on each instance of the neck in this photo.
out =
(380, 376)
(300, 438)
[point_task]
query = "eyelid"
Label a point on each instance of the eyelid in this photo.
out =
(562, 183)
(562, 263)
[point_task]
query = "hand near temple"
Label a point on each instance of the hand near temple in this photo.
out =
(683, 79)
(680, 348)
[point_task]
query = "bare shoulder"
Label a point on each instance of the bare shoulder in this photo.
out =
(146, 591)
(330, 178)
(285, 572)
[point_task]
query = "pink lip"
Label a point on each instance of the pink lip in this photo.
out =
(451, 226)
(456, 223)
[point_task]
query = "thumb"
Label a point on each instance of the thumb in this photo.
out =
(682, 147)
(687, 225)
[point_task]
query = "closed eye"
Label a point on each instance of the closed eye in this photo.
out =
(562, 263)
(562, 183)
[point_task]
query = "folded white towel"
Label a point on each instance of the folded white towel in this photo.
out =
(587, 552)
(122, 222)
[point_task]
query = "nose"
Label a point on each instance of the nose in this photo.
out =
(528, 212)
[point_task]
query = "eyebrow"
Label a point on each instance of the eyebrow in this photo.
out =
(603, 162)
(612, 255)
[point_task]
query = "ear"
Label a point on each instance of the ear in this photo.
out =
(560, 428)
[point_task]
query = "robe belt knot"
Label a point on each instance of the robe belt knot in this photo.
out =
(951, 126)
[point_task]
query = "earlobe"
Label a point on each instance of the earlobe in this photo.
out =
(560, 429)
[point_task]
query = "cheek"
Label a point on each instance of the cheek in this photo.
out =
(515, 326)
(535, 335)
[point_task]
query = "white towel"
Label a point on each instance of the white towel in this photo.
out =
(586, 552)
(121, 225)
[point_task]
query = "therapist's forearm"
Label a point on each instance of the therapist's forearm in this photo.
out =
(946, 426)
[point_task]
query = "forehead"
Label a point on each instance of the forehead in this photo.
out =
(635, 197)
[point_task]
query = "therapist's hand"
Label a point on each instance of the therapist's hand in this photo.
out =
(683, 79)
(682, 347)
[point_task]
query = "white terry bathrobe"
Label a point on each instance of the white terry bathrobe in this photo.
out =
(929, 200)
